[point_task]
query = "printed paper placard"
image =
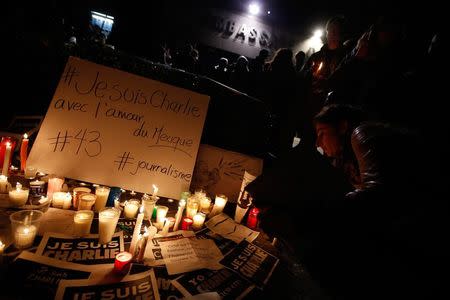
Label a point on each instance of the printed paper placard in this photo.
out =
(139, 286)
(225, 282)
(228, 228)
(251, 262)
(84, 250)
(152, 255)
(32, 275)
(224, 245)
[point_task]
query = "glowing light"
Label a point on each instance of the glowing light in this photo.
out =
(253, 8)
(268, 12)
(318, 33)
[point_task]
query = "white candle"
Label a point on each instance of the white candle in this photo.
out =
(77, 192)
(205, 204)
(82, 222)
(30, 172)
(137, 231)
(219, 204)
(149, 204)
(107, 220)
(198, 221)
(19, 196)
(143, 238)
(54, 185)
(161, 213)
(131, 209)
(181, 206)
(62, 200)
(3, 184)
(86, 201)
(192, 206)
(6, 159)
(166, 227)
(102, 196)
(24, 236)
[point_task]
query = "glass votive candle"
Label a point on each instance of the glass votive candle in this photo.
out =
(192, 207)
(76, 192)
(86, 201)
(18, 196)
(131, 208)
(205, 204)
(200, 193)
(24, 227)
(219, 204)
(149, 203)
(198, 220)
(37, 188)
(186, 224)
(185, 195)
(123, 262)
(107, 222)
(102, 193)
(62, 200)
(161, 213)
(55, 184)
(30, 172)
(82, 221)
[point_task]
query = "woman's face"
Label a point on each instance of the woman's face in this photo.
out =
(328, 139)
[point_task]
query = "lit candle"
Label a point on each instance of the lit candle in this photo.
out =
(165, 229)
(102, 196)
(6, 159)
(181, 206)
(161, 213)
(149, 205)
(205, 204)
(37, 188)
(62, 200)
(143, 238)
(155, 191)
(30, 172)
(123, 262)
(107, 219)
(131, 209)
(24, 236)
(137, 230)
(198, 220)
(252, 219)
(219, 204)
(82, 222)
(186, 224)
(24, 152)
(192, 206)
(200, 193)
(77, 192)
(19, 196)
(54, 185)
(86, 201)
(3, 184)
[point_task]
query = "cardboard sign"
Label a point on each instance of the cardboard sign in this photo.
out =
(118, 129)
(85, 250)
(139, 286)
(226, 283)
(251, 262)
(220, 171)
(34, 276)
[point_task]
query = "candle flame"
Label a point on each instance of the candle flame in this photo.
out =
(155, 190)
(1, 244)
(26, 230)
(8, 145)
(141, 210)
(25, 136)
(18, 186)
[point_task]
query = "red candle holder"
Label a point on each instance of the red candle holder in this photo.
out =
(252, 219)
(186, 224)
(123, 262)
